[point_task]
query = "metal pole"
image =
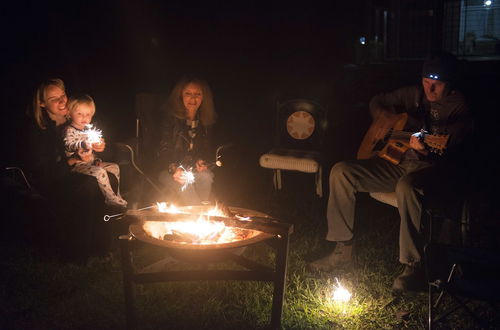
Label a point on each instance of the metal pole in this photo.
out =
(280, 280)
(128, 281)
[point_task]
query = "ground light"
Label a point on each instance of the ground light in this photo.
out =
(340, 293)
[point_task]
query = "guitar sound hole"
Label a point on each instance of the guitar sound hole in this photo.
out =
(379, 145)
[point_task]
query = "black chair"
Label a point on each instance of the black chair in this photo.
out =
(299, 135)
(140, 149)
(462, 277)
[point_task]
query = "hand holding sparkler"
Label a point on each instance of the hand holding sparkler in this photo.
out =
(183, 176)
(100, 146)
(94, 138)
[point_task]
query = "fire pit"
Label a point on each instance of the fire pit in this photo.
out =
(197, 234)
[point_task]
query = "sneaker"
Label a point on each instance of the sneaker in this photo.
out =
(341, 255)
(411, 279)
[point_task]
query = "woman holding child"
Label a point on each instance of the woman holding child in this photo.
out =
(74, 199)
(186, 142)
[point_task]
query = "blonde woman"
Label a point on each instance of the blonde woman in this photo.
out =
(73, 200)
(45, 158)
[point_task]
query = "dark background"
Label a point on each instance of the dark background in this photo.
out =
(251, 53)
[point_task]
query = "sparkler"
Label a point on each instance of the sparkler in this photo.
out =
(340, 293)
(187, 176)
(94, 135)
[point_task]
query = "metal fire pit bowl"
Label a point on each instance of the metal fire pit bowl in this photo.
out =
(263, 229)
(253, 234)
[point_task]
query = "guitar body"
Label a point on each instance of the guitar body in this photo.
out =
(376, 143)
(385, 138)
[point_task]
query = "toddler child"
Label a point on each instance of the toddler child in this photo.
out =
(80, 149)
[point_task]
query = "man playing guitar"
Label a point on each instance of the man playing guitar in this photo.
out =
(436, 120)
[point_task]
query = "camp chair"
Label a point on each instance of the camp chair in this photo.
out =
(299, 135)
(472, 276)
(140, 149)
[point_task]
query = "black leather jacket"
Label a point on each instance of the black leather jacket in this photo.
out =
(45, 159)
(184, 141)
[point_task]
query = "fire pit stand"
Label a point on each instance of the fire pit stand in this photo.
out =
(276, 235)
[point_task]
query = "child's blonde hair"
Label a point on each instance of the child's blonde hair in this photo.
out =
(74, 102)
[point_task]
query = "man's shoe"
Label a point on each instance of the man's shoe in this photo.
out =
(411, 279)
(341, 255)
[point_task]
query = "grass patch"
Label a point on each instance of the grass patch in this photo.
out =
(40, 293)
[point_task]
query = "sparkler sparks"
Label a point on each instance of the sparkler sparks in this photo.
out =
(94, 135)
(187, 176)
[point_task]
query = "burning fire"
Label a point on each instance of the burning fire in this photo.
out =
(199, 231)
(163, 207)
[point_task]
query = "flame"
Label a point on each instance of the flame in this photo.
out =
(200, 231)
(164, 207)
(340, 293)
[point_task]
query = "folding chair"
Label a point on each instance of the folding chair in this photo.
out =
(141, 148)
(472, 277)
(300, 130)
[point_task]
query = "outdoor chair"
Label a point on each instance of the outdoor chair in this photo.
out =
(471, 283)
(300, 129)
(458, 273)
(140, 149)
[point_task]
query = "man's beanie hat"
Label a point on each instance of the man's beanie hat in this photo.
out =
(440, 66)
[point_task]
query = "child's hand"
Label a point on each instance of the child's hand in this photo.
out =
(72, 161)
(99, 147)
(85, 155)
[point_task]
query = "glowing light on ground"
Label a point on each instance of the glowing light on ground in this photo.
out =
(340, 293)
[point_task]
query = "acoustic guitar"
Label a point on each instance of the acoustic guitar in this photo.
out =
(385, 138)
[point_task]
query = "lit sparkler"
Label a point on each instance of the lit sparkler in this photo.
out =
(187, 176)
(94, 135)
(340, 293)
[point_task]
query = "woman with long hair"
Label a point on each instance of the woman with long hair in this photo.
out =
(189, 116)
(74, 200)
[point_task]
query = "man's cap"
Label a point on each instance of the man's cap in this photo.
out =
(440, 66)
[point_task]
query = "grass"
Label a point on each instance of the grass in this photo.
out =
(38, 292)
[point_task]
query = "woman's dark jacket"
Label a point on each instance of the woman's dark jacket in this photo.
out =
(45, 158)
(184, 142)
